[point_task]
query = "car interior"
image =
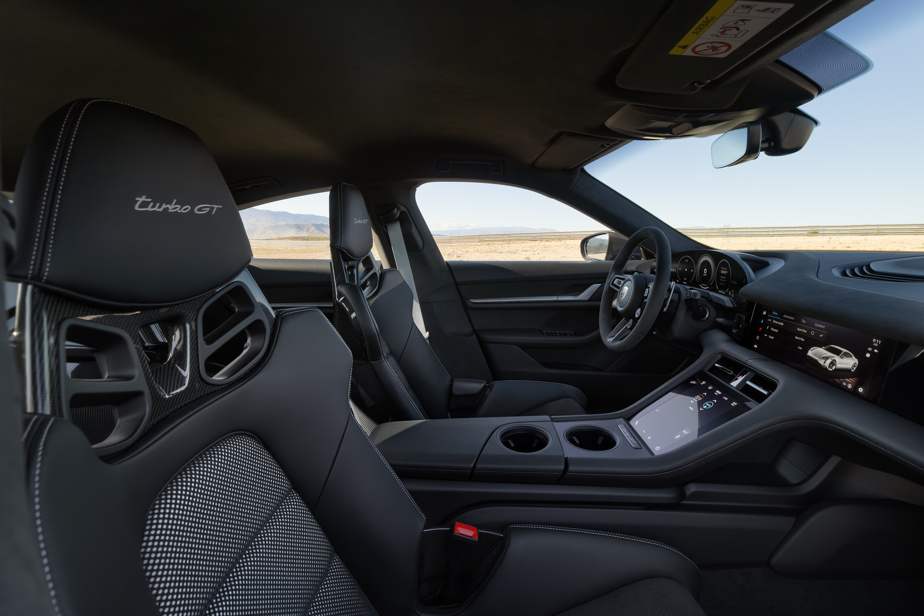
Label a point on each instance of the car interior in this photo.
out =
(662, 427)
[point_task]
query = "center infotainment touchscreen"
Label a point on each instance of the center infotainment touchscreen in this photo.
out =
(690, 410)
(846, 358)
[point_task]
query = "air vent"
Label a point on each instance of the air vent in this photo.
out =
(233, 332)
(905, 269)
(726, 369)
(103, 390)
(868, 273)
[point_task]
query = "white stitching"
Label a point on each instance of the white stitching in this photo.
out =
(51, 169)
(375, 326)
(374, 448)
(481, 531)
(25, 432)
(605, 534)
(390, 469)
(67, 159)
(38, 519)
(60, 191)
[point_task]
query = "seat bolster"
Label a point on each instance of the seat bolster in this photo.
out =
(376, 348)
(547, 570)
(511, 398)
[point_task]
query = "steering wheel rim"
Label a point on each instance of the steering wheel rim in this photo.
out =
(636, 298)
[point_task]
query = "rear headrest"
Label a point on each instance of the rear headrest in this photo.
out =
(118, 205)
(350, 230)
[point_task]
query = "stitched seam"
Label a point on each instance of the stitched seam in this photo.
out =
(253, 538)
(317, 591)
(375, 326)
(606, 534)
(60, 191)
(51, 169)
(480, 531)
(25, 432)
(406, 394)
(390, 469)
(38, 519)
(363, 432)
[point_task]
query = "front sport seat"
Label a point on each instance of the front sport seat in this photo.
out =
(191, 452)
(396, 373)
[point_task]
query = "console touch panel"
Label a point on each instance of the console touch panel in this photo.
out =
(690, 410)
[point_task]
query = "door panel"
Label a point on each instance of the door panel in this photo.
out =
(539, 321)
(288, 283)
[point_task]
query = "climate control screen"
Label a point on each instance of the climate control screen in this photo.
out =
(690, 410)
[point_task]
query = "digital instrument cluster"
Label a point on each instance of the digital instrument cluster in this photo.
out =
(850, 360)
(711, 270)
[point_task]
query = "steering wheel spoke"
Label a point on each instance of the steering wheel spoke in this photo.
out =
(621, 331)
(617, 281)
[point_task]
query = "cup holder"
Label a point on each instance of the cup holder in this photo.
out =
(591, 439)
(524, 439)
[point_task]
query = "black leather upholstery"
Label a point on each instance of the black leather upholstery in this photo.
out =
(351, 232)
(397, 374)
(124, 207)
(264, 495)
(540, 561)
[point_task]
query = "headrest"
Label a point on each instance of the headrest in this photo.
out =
(350, 230)
(122, 206)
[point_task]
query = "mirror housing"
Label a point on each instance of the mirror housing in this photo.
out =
(737, 146)
(787, 133)
(603, 246)
(779, 135)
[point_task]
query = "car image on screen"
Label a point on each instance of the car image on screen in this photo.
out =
(834, 358)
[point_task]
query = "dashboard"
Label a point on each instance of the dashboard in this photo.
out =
(820, 327)
(713, 270)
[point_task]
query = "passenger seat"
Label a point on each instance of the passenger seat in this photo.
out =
(396, 374)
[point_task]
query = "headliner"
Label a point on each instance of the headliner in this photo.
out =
(311, 93)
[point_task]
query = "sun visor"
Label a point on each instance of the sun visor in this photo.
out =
(696, 42)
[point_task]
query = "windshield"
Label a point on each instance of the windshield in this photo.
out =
(861, 167)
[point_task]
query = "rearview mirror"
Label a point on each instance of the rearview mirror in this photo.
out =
(779, 135)
(736, 146)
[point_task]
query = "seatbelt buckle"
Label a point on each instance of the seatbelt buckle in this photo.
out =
(462, 544)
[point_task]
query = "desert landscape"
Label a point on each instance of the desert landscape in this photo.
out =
(569, 250)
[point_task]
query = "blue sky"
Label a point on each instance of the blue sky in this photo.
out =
(863, 164)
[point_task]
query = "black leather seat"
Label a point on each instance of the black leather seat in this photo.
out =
(191, 452)
(396, 373)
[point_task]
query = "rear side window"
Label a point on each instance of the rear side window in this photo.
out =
(294, 228)
(473, 221)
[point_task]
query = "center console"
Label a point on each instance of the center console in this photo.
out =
(579, 450)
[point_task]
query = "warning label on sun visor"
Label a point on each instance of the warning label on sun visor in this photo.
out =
(728, 25)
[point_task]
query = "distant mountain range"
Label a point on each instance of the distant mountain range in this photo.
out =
(270, 224)
(489, 230)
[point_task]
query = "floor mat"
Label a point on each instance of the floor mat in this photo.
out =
(761, 592)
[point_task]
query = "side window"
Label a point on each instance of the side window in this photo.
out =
(473, 221)
(294, 228)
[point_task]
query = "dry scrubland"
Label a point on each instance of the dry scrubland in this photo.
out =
(568, 250)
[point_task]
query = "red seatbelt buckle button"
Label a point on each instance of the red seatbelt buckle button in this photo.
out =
(464, 531)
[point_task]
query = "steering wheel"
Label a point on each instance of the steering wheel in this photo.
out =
(636, 298)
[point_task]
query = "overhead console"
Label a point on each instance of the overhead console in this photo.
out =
(854, 361)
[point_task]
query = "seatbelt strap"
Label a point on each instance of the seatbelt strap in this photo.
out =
(396, 237)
